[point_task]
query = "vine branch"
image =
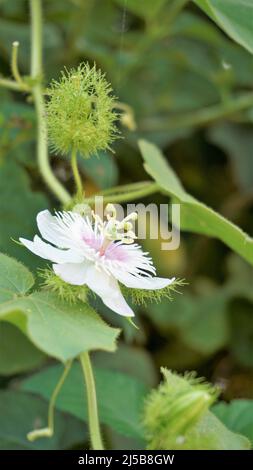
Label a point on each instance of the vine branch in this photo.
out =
(36, 73)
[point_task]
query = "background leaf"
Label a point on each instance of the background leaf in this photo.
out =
(237, 416)
(19, 206)
(235, 17)
(192, 318)
(130, 360)
(102, 169)
(21, 413)
(17, 353)
(120, 396)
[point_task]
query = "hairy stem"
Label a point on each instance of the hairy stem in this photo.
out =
(36, 73)
(95, 436)
(76, 174)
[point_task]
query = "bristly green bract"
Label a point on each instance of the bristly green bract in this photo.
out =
(144, 296)
(68, 292)
(72, 294)
(80, 113)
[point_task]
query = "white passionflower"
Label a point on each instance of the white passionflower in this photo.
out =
(96, 254)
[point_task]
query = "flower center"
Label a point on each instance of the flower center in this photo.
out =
(113, 229)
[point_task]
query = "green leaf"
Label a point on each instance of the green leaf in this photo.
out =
(17, 125)
(20, 413)
(18, 130)
(237, 416)
(131, 360)
(19, 206)
(201, 321)
(17, 353)
(120, 397)
(205, 49)
(235, 17)
(56, 328)
(194, 26)
(209, 330)
(19, 31)
(15, 279)
(195, 216)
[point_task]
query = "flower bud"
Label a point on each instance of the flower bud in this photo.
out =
(80, 113)
(175, 407)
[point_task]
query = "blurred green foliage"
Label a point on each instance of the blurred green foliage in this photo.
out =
(188, 78)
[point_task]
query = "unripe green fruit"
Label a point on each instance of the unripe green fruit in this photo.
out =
(80, 113)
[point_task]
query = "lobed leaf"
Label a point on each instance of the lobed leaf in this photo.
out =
(55, 327)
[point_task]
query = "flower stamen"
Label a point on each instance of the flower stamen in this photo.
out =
(114, 229)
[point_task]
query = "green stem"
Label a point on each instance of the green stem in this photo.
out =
(6, 83)
(95, 436)
(64, 197)
(76, 174)
(203, 116)
(128, 196)
(36, 73)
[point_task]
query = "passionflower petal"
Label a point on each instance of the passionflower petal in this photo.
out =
(96, 253)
